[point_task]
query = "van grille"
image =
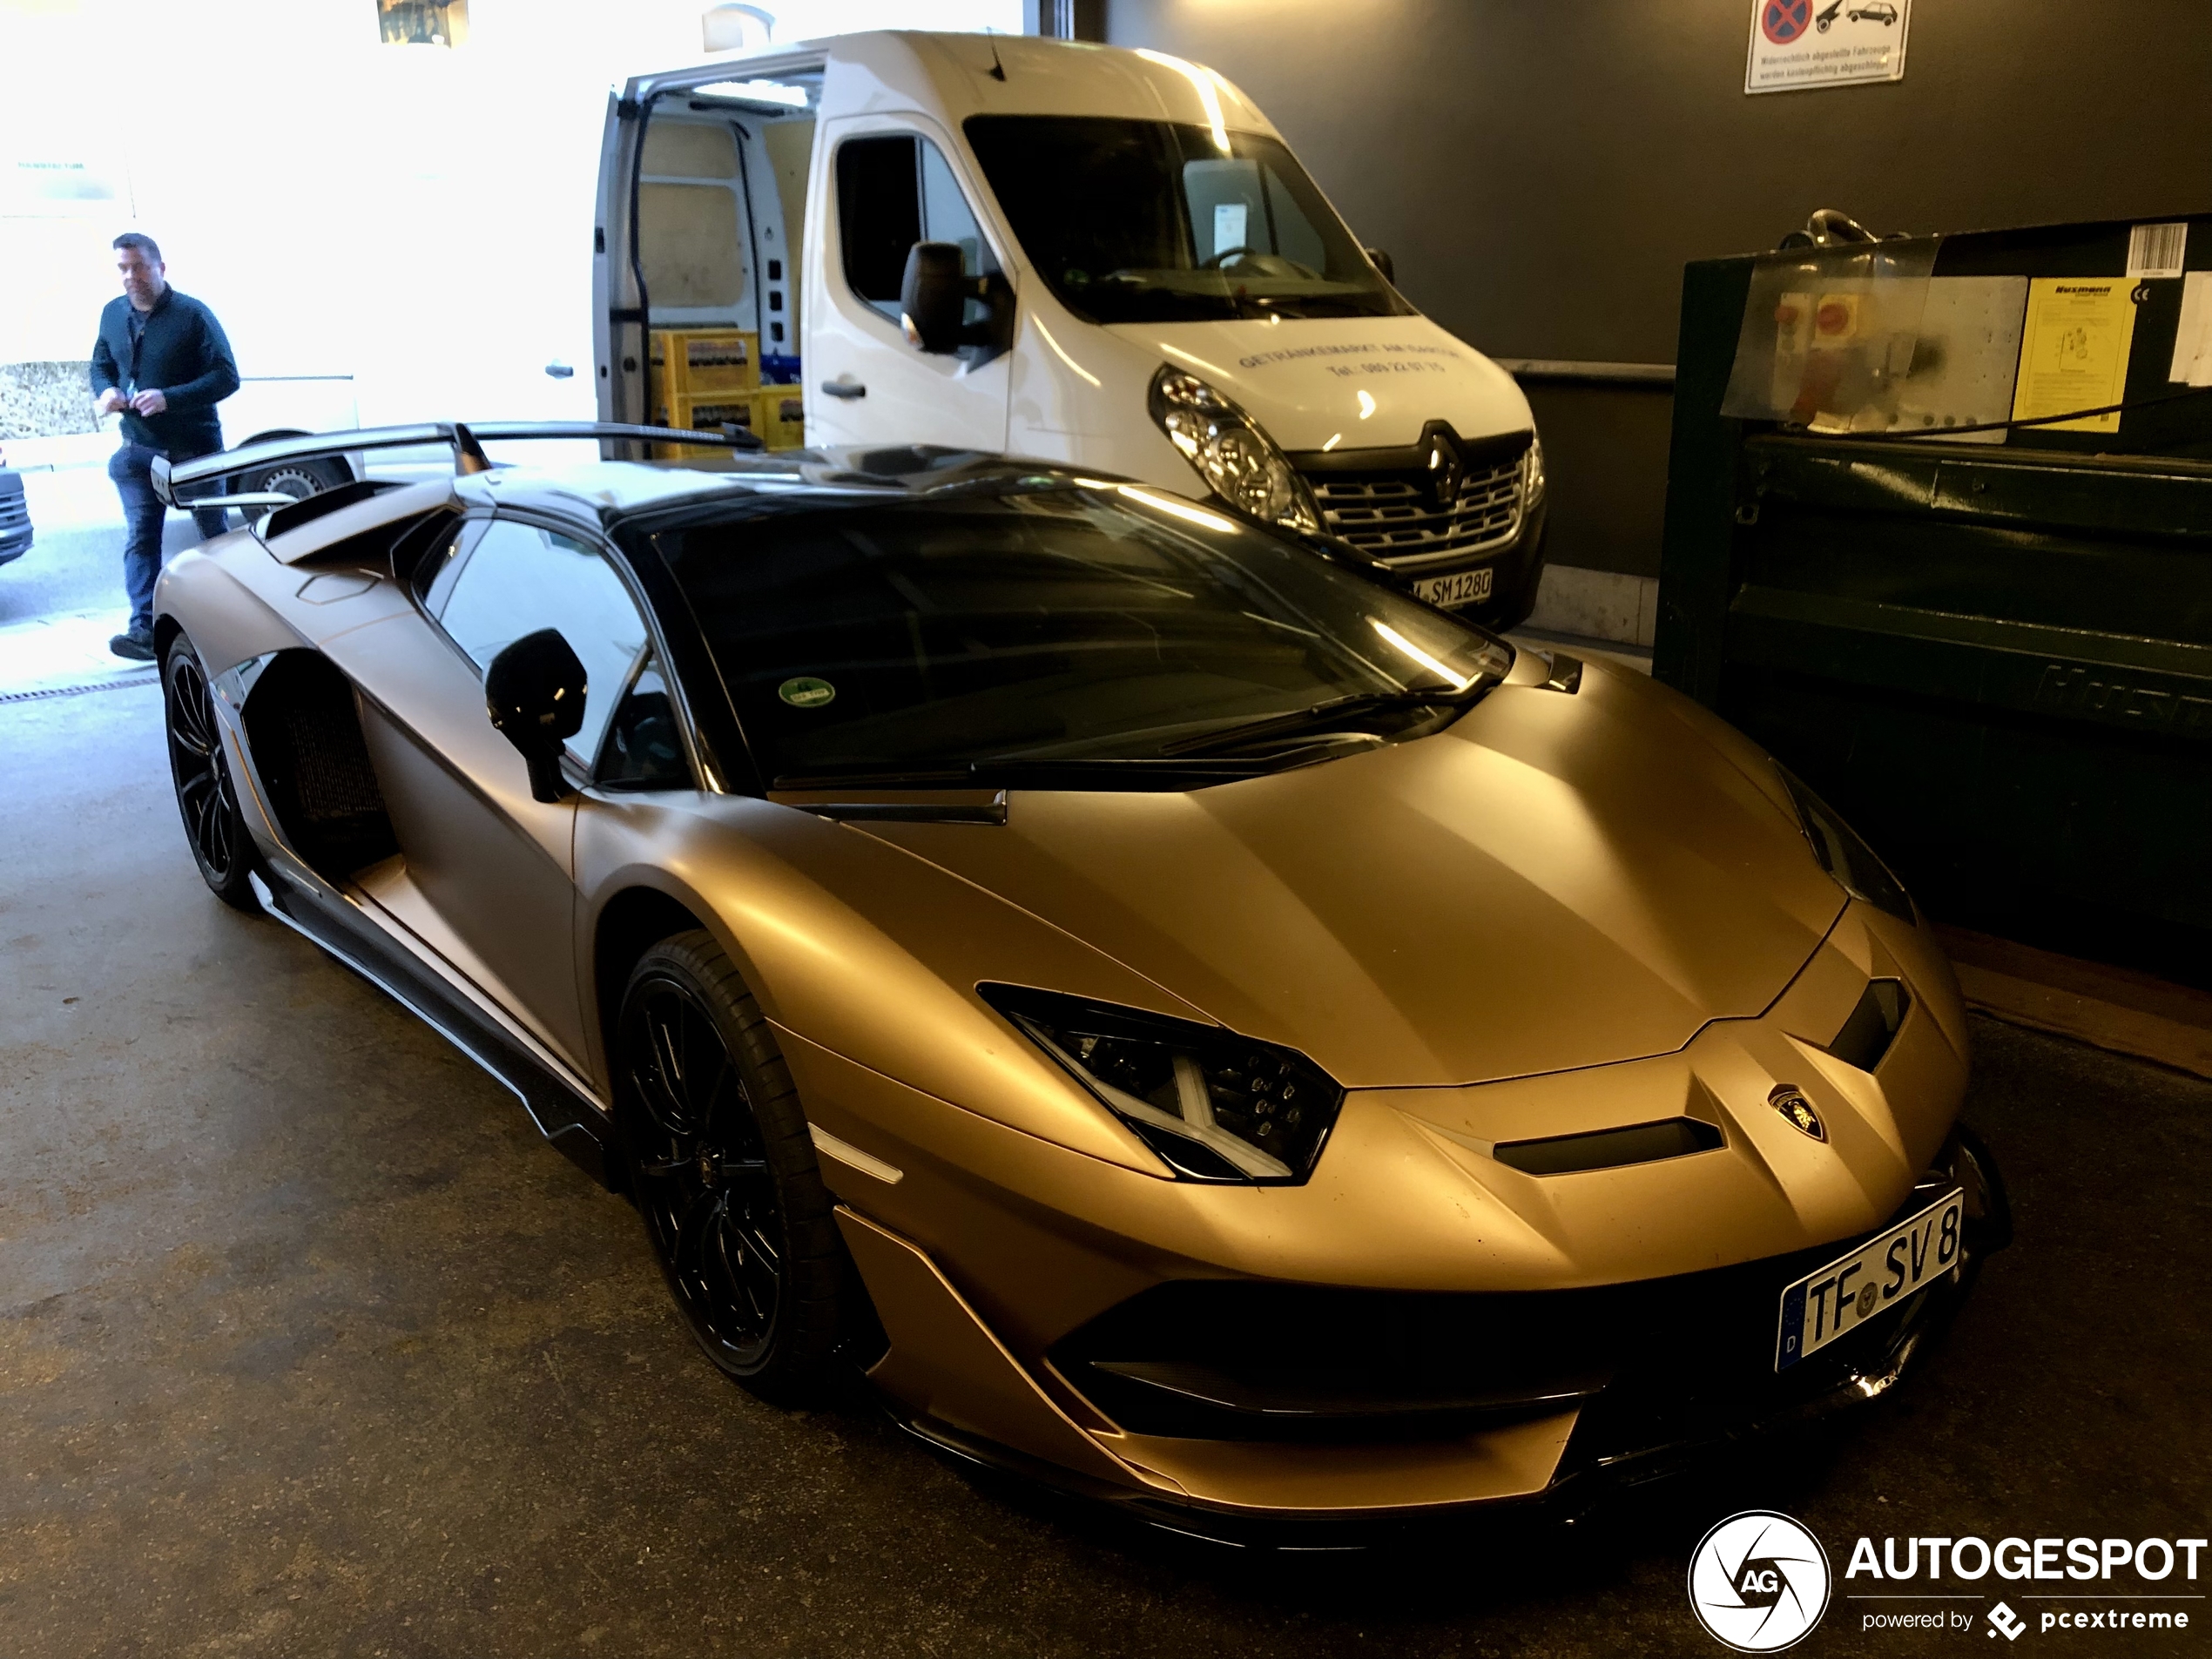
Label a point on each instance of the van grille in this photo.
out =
(1394, 516)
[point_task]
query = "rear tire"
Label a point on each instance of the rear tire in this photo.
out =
(206, 797)
(723, 1171)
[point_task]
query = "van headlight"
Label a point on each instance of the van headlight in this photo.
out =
(1531, 473)
(1230, 451)
(1213, 1106)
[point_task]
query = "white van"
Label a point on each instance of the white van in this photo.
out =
(1146, 283)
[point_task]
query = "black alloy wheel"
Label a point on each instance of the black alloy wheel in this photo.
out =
(206, 797)
(723, 1173)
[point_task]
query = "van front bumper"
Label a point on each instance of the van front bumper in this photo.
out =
(1497, 588)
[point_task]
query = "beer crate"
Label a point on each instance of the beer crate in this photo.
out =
(781, 417)
(703, 362)
(706, 415)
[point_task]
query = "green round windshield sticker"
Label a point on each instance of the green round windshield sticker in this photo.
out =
(806, 692)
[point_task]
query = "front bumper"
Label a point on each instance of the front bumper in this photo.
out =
(996, 1260)
(1692, 1379)
(1516, 572)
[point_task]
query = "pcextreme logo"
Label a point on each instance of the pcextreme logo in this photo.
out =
(1759, 1581)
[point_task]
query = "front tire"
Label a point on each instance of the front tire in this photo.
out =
(206, 797)
(723, 1171)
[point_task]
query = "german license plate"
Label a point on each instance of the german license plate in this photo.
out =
(1835, 1300)
(1461, 588)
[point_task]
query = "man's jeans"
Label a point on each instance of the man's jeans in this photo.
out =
(131, 468)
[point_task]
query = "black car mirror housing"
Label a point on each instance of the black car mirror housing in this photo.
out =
(534, 692)
(932, 305)
(932, 296)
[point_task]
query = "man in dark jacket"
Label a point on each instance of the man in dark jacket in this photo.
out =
(161, 359)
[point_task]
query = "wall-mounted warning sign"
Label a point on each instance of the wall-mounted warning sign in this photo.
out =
(1801, 44)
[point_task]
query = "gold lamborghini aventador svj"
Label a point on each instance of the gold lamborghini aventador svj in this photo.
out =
(1191, 1023)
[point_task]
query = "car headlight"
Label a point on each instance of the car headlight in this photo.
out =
(1531, 473)
(1213, 1105)
(1843, 855)
(1230, 451)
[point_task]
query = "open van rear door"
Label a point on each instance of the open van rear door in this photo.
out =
(702, 210)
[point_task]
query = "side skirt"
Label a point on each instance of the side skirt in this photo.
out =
(577, 1125)
(560, 1103)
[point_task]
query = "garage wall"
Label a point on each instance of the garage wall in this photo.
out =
(1541, 171)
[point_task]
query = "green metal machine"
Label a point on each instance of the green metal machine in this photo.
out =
(1986, 641)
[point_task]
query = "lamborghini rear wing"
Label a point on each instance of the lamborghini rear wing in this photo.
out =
(171, 482)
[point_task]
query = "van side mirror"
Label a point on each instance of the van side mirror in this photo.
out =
(933, 294)
(535, 691)
(1381, 261)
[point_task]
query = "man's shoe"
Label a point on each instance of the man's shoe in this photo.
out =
(138, 648)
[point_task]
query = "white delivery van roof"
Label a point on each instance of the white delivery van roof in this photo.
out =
(950, 76)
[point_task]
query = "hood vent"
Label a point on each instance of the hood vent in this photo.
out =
(1609, 1149)
(1873, 1024)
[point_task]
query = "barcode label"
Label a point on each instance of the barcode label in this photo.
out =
(2156, 250)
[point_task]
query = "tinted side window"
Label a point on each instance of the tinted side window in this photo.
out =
(894, 191)
(434, 572)
(643, 749)
(516, 579)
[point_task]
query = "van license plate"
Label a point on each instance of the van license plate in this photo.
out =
(1461, 588)
(1835, 1300)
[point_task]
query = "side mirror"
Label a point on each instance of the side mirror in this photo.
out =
(1381, 261)
(534, 690)
(933, 294)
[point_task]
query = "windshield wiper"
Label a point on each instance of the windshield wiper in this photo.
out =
(1083, 771)
(1335, 708)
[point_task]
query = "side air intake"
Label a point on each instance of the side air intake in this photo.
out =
(314, 767)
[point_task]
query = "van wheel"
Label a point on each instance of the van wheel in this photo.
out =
(723, 1171)
(298, 479)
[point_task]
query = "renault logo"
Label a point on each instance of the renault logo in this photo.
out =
(1444, 470)
(1790, 1101)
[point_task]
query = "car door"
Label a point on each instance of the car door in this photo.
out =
(891, 183)
(493, 864)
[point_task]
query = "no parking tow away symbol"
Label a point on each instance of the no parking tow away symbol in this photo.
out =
(1783, 21)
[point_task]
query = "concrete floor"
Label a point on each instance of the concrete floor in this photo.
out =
(308, 1346)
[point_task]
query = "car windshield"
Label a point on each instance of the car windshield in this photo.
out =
(1148, 221)
(1055, 627)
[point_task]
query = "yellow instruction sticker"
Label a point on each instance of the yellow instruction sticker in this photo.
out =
(2074, 351)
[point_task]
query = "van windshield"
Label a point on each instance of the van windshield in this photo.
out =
(1013, 633)
(1149, 221)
